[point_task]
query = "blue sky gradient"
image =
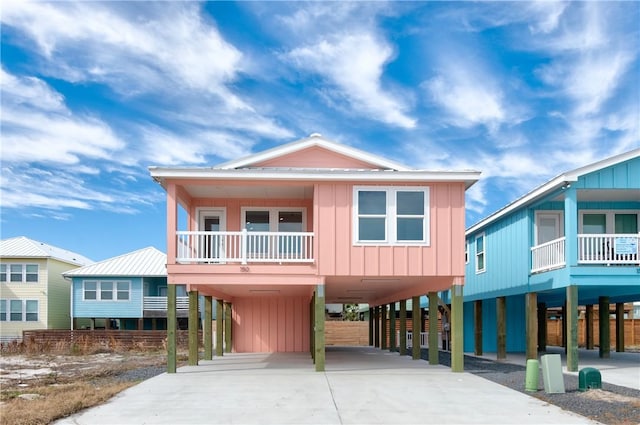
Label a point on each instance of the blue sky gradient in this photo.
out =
(95, 92)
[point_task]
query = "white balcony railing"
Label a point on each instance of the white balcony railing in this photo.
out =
(424, 339)
(602, 249)
(244, 247)
(547, 256)
(160, 303)
(608, 249)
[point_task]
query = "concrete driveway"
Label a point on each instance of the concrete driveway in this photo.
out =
(361, 385)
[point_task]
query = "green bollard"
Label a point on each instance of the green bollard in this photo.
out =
(531, 377)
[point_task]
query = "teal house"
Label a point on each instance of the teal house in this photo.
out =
(569, 244)
(127, 292)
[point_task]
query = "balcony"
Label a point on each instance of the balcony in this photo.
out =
(160, 303)
(593, 249)
(244, 247)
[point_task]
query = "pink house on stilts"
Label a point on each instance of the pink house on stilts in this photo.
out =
(274, 236)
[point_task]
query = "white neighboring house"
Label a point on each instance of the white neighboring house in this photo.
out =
(33, 292)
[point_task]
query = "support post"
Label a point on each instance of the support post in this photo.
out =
(501, 318)
(588, 327)
(572, 328)
(392, 326)
(371, 326)
(532, 325)
(376, 326)
(603, 325)
(383, 327)
(563, 313)
(433, 328)
(542, 327)
(171, 328)
(227, 327)
(415, 328)
(219, 327)
(206, 327)
(620, 327)
(457, 329)
(319, 333)
(312, 326)
(193, 328)
(403, 328)
(477, 327)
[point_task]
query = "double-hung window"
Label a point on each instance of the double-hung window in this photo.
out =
(16, 273)
(3, 310)
(106, 290)
(480, 259)
(19, 310)
(391, 215)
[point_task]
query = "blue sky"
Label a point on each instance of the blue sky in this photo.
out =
(95, 92)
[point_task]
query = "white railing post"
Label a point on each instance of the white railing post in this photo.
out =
(243, 245)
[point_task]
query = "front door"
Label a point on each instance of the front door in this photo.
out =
(211, 242)
(548, 227)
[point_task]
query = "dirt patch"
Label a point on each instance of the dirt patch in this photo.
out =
(38, 389)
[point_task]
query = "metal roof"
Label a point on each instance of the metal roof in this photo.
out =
(143, 262)
(23, 247)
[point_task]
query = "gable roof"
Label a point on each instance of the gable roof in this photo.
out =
(553, 185)
(382, 170)
(23, 247)
(143, 262)
(314, 140)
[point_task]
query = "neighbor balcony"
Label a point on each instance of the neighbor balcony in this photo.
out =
(593, 249)
(160, 303)
(244, 247)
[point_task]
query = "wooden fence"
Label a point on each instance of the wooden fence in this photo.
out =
(105, 337)
(631, 332)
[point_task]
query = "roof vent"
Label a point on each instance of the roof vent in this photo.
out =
(315, 135)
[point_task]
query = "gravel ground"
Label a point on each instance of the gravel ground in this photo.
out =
(613, 404)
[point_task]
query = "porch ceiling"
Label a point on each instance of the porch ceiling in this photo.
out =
(338, 290)
(256, 191)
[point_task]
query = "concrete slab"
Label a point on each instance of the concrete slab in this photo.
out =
(362, 385)
(621, 369)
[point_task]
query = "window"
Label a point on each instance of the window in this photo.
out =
(19, 310)
(18, 273)
(31, 311)
(106, 290)
(397, 215)
(466, 252)
(480, 260)
(282, 220)
(609, 222)
(16, 310)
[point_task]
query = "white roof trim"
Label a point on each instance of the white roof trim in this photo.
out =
(553, 185)
(159, 174)
(313, 140)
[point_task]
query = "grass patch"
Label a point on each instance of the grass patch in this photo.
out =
(56, 401)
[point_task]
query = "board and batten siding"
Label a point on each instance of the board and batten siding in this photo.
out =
(338, 256)
(625, 175)
(108, 309)
(507, 257)
(270, 324)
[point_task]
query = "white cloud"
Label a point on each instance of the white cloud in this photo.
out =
(353, 63)
(34, 131)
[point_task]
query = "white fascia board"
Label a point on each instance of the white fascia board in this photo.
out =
(313, 140)
(538, 193)
(160, 174)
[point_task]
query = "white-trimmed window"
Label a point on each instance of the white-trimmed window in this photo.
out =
(480, 250)
(391, 215)
(106, 290)
(19, 310)
(19, 273)
(466, 252)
